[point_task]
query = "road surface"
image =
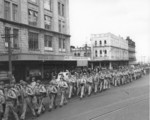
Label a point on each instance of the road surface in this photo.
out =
(128, 102)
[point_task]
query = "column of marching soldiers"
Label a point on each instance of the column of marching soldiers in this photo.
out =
(15, 98)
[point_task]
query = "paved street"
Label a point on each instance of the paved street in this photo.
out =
(128, 102)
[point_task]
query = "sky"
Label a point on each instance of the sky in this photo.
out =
(120, 17)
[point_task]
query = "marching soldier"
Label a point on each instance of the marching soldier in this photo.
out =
(52, 93)
(10, 101)
(96, 82)
(2, 100)
(27, 94)
(63, 89)
(89, 83)
(82, 86)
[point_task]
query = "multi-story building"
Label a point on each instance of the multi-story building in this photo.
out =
(109, 50)
(41, 41)
(84, 51)
(132, 52)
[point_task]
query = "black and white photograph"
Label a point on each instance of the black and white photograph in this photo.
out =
(74, 59)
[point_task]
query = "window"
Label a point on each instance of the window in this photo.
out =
(95, 53)
(48, 22)
(59, 25)
(78, 54)
(48, 41)
(105, 42)
(105, 51)
(74, 54)
(15, 12)
(85, 55)
(100, 42)
(33, 41)
(7, 10)
(33, 19)
(59, 8)
(63, 26)
(15, 39)
(95, 43)
(64, 46)
(59, 43)
(34, 1)
(7, 33)
(100, 52)
(63, 10)
(48, 5)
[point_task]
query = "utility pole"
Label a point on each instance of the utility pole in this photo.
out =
(8, 36)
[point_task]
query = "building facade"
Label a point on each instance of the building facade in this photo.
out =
(132, 51)
(109, 50)
(84, 51)
(41, 38)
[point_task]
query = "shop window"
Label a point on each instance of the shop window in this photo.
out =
(33, 17)
(33, 41)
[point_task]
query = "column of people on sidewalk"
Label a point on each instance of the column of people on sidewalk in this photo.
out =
(17, 97)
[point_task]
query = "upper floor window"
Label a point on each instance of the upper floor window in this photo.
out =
(95, 53)
(95, 43)
(105, 51)
(15, 12)
(33, 17)
(63, 10)
(78, 54)
(74, 54)
(100, 42)
(59, 8)
(16, 38)
(7, 33)
(33, 41)
(59, 43)
(34, 1)
(48, 5)
(7, 10)
(48, 41)
(105, 42)
(64, 44)
(48, 22)
(59, 25)
(100, 52)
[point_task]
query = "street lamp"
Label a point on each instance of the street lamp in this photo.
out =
(8, 36)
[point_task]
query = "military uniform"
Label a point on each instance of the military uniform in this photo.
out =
(82, 86)
(63, 89)
(52, 93)
(10, 97)
(28, 94)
